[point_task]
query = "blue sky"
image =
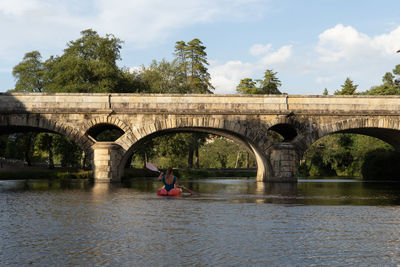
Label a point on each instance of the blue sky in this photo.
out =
(311, 44)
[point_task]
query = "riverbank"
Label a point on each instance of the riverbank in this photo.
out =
(193, 173)
(39, 173)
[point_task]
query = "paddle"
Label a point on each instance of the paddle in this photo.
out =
(151, 167)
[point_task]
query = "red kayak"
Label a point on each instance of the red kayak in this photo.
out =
(173, 192)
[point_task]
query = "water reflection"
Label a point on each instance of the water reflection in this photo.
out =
(306, 192)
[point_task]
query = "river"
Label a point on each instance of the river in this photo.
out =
(230, 222)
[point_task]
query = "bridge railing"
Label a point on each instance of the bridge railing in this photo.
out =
(221, 104)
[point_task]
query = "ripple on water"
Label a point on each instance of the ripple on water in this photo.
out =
(126, 226)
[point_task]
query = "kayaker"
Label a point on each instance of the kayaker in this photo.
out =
(171, 186)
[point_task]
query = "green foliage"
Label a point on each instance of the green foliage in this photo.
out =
(396, 69)
(248, 86)
(381, 164)
(45, 143)
(198, 78)
(268, 85)
(109, 135)
(388, 78)
(384, 89)
(29, 73)
(348, 88)
(220, 152)
(160, 77)
(325, 92)
(88, 65)
(339, 154)
(70, 154)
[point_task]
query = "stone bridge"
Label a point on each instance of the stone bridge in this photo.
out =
(299, 119)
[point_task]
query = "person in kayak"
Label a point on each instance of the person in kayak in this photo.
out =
(171, 186)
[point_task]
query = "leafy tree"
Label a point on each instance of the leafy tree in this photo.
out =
(29, 73)
(381, 164)
(384, 89)
(348, 88)
(87, 65)
(325, 92)
(396, 70)
(247, 86)
(160, 77)
(269, 85)
(45, 142)
(388, 78)
(70, 154)
(219, 152)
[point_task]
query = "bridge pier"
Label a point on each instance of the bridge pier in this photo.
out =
(285, 161)
(106, 157)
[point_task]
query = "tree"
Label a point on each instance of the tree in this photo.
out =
(70, 153)
(268, 85)
(87, 65)
(325, 92)
(29, 73)
(181, 65)
(396, 70)
(348, 88)
(247, 86)
(191, 67)
(388, 78)
(45, 142)
(160, 77)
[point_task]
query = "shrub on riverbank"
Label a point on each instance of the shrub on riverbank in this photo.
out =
(381, 164)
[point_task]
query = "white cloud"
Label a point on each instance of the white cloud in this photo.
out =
(280, 56)
(34, 24)
(259, 49)
(225, 77)
(323, 79)
(144, 21)
(18, 7)
(346, 43)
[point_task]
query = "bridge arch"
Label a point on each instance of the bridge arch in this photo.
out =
(386, 129)
(255, 140)
(103, 122)
(26, 122)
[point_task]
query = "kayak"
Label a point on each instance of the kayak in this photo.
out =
(173, 192)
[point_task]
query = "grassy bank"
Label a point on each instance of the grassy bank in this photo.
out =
(193, 173)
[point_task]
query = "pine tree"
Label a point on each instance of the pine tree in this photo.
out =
(192, 72)
(348, 88)
(270, 83)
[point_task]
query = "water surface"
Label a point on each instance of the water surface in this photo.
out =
(230, 222)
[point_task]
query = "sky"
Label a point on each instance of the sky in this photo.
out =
(311, 44)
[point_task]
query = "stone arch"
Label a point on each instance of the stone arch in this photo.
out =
(105, 120)
(383, 128)
(256, 141)
(37, 121)
(386, 129)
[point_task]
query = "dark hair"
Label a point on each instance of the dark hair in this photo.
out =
(169, 171)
